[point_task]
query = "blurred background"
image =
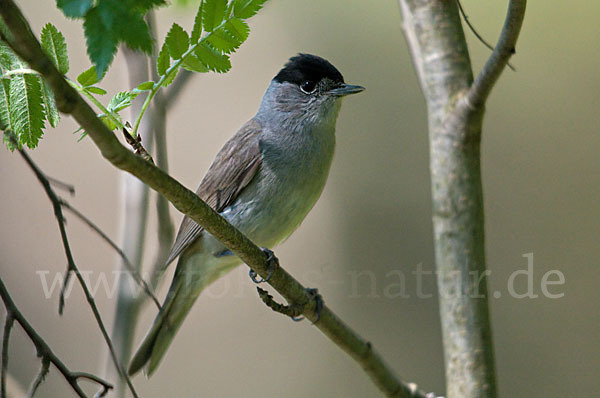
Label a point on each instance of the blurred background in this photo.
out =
(370, 231)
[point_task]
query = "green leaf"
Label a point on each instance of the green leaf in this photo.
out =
(53, 43)
(197, 29)
(96, 90)
(193, 64)
(145, 5)
(50, 104)
(89, 77)
(5, 120)
(223, 41)
(237, 28)
(163, 62)
(121, 101)
(246, 8)
(136, 34)
(75, 8)
(177, 41)
(213, 59)
(146, 86)
(9, 143)
(26, 111)
(213, 14)
(170, 77)
(110, 22)
(100, 39)
(8, 59)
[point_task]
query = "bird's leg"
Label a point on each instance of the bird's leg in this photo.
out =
(272, 262)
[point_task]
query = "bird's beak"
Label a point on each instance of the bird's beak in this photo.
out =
(346, 89)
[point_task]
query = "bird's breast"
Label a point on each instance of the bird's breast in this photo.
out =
(291, 178)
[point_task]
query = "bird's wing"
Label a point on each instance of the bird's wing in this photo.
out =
(231, 171)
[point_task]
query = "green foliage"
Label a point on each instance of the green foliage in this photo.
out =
(50, 105)
(177, 41)
(212, 58)
(53, 43)
(224, 41)
(96, 90)
(213, 14)
(26, 108)
(197, 29)
(5, 120)
(26, 101)
(8, 59)
(146, 86)
(163, 62)
(75, 8)
(89, 77)
(245, 9)
(237, 28)
(193, 64)
(121, 101)
(110, 22)
(224, 29)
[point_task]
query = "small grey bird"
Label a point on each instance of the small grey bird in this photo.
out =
(264, 181)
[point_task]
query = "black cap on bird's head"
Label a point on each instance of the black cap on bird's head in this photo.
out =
(308, 67)
(306, 71)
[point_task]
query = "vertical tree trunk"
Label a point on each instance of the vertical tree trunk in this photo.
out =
(437, 43)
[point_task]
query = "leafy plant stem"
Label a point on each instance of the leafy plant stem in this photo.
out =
(172, 68)
(104, 110)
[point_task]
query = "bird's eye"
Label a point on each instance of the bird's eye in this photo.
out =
(308, 86)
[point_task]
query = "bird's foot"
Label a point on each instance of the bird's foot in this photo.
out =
(314, 294)
(272, 262)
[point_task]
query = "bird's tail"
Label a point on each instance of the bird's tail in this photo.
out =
(184, 291)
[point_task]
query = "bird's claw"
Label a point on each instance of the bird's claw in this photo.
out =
(314, 293)
(272, 262)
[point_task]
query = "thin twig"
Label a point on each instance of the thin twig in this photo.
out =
(39, 379)
(72, 267)
(505, 48)
(472, 28)
(61, 185)
(8, 324)
(44, 350)
(69, 101)
(136, 275)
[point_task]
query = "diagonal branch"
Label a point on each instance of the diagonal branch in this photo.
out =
(68, 101)
(43, 350)
(505, 48)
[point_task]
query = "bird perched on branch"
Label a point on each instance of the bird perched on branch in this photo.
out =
(264, 181)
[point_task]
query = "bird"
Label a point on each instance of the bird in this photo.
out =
(264, 181)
